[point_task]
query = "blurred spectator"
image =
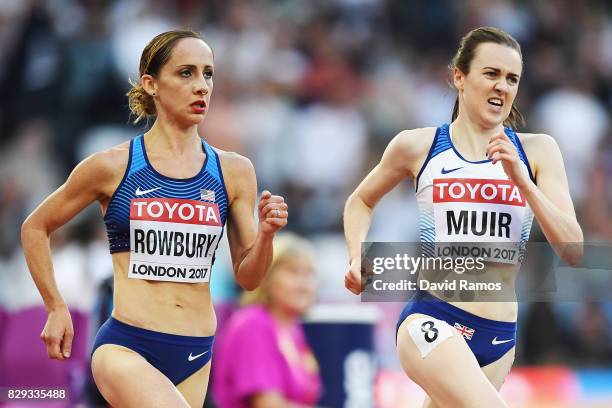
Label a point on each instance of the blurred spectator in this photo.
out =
(91, 91)
(598, 209)
(261, 357)
(568, 115)
(30, 77)
(541, 335)
(592, 336)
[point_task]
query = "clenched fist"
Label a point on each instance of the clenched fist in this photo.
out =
(273, 212)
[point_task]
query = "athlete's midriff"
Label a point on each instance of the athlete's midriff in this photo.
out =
(167, 307)
(504, 307)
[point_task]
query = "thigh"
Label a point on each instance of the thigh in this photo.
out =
(498, 370)
(449, 374)
(194, 387)
(126, 379)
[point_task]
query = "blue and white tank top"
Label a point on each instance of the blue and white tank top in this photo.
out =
(462, 201)
(171, 227)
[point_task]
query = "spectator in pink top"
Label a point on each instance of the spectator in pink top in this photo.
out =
(262, 358)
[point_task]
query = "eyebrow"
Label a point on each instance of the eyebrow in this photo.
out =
(497, 70)
(191, 66)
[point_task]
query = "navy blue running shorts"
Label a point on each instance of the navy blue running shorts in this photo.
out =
(175, 356)
(488, 339)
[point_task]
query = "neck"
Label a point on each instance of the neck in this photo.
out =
(283, 316)
(172, 137)
(471, 139)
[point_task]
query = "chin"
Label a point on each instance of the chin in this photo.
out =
(493, 120)
(299, 310)
(193, 120)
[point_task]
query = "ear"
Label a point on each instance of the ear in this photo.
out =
(458, 79)
(148, 84)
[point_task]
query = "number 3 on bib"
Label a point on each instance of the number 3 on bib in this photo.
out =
(428, 333)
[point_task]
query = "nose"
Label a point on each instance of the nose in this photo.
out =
(501, 85)
(201, 88)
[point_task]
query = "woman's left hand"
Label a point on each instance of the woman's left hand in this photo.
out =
(273, 212)
(502, 149)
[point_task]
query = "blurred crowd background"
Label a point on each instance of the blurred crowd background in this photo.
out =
(312, 92)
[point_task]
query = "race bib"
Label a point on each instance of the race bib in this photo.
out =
(428, 333)
(486, 215)
(173, 239)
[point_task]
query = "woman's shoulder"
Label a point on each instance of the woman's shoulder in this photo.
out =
(536, 140)
(409, 148)
(538, 145)
(102, 169)
(417, 138)
(414, 142)
(238, 173)
(233, 162)
(114, 158)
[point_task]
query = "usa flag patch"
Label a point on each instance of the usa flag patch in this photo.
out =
(465, 331)
(207, 195)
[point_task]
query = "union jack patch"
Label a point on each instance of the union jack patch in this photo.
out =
(465, 331)
(207, 195)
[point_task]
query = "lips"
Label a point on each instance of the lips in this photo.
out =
(497, 102)
(198, 106)
(199, 103)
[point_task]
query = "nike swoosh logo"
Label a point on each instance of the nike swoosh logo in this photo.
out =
(191, 358)
(444, 171)
(495, 342)
(141, 192)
